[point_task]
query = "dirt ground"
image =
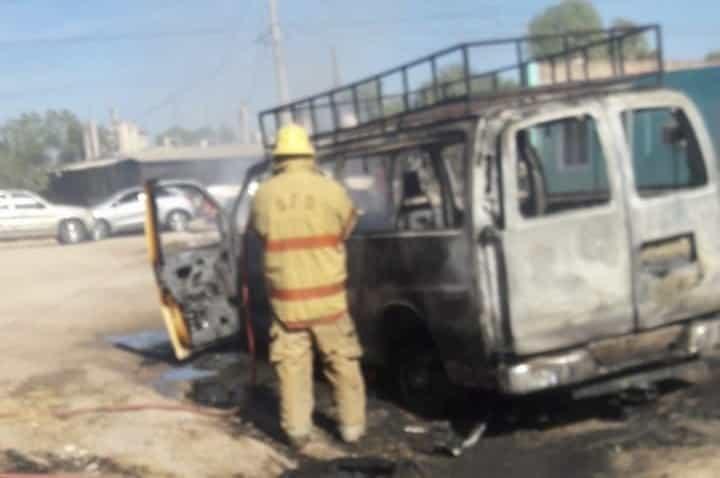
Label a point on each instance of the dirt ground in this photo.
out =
(61, 304)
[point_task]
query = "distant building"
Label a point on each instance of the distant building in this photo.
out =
(130, 138)
(91, 181)
(91, 144)
(220, 164)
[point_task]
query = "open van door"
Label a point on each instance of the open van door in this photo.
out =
(194, 272)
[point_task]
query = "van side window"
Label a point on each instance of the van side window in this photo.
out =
(367, 180)
(403, 190)
(561, 166)
(418, 193)
(665, 150)
(454, 158)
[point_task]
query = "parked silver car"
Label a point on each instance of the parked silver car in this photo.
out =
(125, 211)
(24, 214)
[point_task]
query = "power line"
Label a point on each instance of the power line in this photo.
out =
(426, 19)
(215, 73)
(12, 95)
(174, 95)
(104, 38)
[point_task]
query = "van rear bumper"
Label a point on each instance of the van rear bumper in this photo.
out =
(611, 358)
(693, 370)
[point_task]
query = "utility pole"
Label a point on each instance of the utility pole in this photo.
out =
(243, 124)
(280, 68)
(94, 139)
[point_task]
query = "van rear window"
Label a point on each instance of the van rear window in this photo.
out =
(666, 156)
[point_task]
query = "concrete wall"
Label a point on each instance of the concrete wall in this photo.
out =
(597, 70)
(130, 138)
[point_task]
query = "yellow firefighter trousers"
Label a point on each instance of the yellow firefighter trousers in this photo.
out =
(291, 353)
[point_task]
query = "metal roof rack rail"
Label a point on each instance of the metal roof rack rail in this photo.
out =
(447, 84)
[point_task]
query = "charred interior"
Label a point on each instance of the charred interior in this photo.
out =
(194, 277)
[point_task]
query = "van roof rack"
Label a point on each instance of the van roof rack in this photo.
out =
(447, 84)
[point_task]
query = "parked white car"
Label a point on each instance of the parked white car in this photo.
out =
(24, 214)
(224, 194)
(125, 211)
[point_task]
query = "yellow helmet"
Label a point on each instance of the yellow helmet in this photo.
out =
(293, 140)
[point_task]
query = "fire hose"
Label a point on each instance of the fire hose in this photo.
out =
(250, 338)
(72, 412)
(35, 475)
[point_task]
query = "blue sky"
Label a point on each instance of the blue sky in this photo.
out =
(191, 62)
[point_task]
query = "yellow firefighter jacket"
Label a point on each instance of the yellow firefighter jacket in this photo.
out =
(303, 218)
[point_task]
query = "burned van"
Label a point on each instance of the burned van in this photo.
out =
(561, 230)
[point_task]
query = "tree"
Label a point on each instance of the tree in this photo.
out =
(67, 131)
(107, 140)
(713, 56)
(15, 172)
(451, 84)
(369, 103)
(178, 135)
(566, 16)
(32, 143)
(634, 46)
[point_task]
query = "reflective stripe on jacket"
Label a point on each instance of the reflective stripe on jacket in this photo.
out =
(303, 218)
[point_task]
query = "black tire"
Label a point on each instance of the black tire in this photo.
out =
(101, 230)
(177, 220)
(72, 231)
(421, 382)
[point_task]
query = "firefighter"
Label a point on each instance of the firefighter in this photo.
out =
(303, 218)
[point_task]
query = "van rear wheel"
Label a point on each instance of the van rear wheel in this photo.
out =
(420, 379)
